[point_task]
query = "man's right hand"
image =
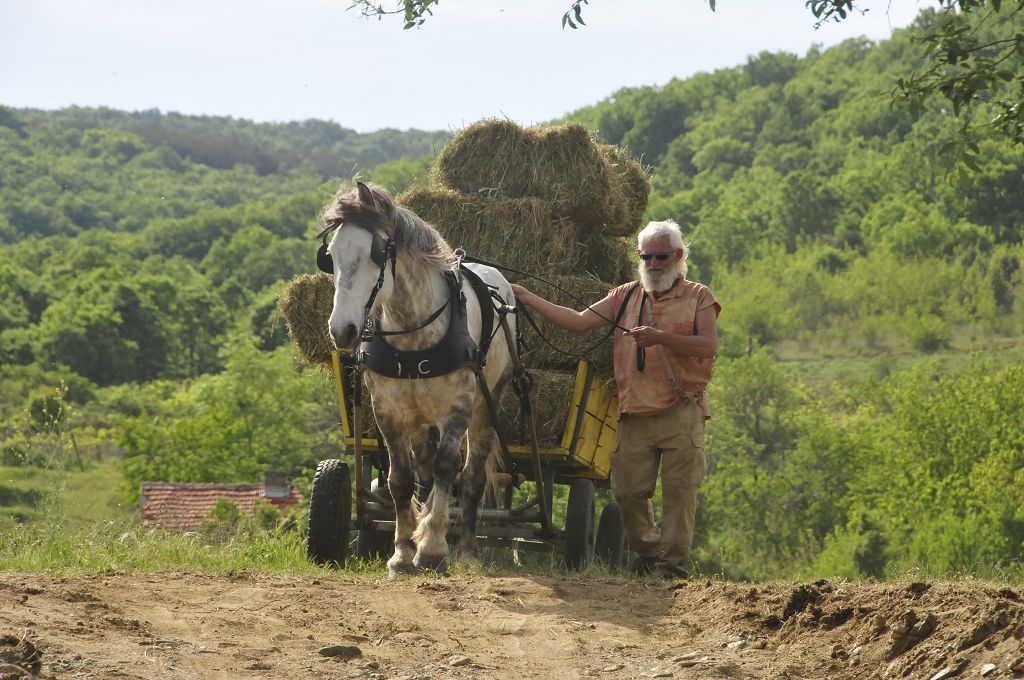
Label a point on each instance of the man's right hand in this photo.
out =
(522, 295)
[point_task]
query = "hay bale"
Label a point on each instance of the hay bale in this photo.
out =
(505, 231)
(561, 164)
(542, 355)
(306, 304)
(550, 397)
(523, 233)
(635, 189)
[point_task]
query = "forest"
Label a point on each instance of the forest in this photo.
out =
(869, 387)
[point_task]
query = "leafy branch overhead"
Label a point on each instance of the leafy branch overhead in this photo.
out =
(972, 63)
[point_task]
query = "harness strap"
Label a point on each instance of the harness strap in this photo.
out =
(430, 319)
(692, 396)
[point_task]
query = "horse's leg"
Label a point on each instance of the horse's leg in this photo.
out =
(424, 449)
(431, 534)
(483, 443)
(401, 484)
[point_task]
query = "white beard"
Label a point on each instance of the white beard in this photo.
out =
(658, 282)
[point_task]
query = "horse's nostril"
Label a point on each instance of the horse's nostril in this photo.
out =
(346, 338)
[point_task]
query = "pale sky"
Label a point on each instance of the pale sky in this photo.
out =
(282, 60)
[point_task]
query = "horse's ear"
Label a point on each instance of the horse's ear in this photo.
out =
(365, 195)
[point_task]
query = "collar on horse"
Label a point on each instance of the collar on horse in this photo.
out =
(456, 349)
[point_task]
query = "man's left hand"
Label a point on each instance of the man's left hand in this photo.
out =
(645, 336)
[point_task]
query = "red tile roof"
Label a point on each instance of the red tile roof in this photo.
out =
(183, 507)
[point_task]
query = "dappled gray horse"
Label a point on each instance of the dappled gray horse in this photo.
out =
(430, 320)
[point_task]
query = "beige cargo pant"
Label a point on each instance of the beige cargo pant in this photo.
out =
(673, 439)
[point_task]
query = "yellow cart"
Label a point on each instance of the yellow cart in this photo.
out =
(582, 461)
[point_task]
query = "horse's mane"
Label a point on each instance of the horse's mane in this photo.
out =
(414, 236)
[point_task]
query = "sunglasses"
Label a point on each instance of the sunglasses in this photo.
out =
(660, 257)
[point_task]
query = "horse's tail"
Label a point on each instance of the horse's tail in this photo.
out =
(492, 466)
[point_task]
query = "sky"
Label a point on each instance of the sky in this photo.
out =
(285, 60)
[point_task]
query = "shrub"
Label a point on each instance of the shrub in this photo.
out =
(927, 332)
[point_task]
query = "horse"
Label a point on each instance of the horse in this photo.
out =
(423, 411)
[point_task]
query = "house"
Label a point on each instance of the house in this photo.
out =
(183, 507)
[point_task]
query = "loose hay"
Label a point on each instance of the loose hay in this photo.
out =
(635, 184)
(306, 303)
(549, 397)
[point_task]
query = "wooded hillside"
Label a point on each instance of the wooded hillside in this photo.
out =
(868, 392)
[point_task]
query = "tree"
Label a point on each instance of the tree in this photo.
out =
(228, 427)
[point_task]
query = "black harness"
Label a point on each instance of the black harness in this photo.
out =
(455, 350)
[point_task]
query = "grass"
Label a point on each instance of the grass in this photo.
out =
(821, 367)
(79, 499)
(54, 549)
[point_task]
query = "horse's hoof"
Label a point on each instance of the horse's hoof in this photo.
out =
(435, 563)
(394, 570)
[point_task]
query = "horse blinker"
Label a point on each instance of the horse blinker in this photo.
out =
(323, 259)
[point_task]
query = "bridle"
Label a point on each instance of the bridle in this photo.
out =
(381, 252)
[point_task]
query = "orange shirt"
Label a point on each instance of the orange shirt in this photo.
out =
(648, 391)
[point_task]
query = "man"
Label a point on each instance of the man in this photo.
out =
(663, 365)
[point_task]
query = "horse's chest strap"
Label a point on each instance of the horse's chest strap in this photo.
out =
(455, 350)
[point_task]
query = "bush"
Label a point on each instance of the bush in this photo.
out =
(927, 332)
(223, 521)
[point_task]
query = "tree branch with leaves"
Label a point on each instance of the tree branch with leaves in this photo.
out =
(973, 60)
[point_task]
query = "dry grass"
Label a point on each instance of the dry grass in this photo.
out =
(584, 181)
(306, 303)
(523, 233)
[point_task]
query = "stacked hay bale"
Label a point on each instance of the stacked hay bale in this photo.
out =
(550, 201)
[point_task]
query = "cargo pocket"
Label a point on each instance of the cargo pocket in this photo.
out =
(700, 463)
(615, 466)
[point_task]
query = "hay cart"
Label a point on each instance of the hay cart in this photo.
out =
(582, 461)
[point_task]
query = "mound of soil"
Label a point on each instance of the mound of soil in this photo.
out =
(181, 625)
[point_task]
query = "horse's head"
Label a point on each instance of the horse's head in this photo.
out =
(358, 255)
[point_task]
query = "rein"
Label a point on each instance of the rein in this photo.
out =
(379, 254)
(529, 317)
(477, 260)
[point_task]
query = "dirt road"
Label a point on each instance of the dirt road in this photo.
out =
(474, 626)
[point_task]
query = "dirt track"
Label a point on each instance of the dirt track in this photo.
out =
(471, 625)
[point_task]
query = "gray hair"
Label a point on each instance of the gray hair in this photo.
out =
(668, 228)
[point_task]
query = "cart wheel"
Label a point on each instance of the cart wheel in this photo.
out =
(374, 545)
(579, 525)
(611, 546)
(330, 513)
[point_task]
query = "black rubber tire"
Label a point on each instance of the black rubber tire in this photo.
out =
(579, 525)
(330, 513)
(611, 546)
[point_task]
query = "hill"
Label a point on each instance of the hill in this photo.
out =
(868, 388)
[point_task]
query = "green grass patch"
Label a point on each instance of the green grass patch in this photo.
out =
(55, 549)
(77, 499)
